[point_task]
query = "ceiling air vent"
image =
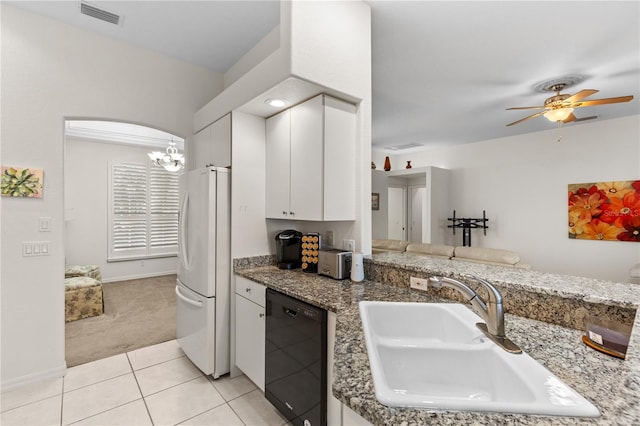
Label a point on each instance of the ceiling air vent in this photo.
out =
(101, 14)
(401, 147)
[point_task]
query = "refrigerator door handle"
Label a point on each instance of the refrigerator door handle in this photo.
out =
(196, 303)
(183, 231)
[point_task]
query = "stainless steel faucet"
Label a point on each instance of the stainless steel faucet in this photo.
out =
(492, 312)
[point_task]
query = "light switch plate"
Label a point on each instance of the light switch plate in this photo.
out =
(44, 224)
(35, 248)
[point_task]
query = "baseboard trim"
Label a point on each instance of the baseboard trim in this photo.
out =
(17, 382)
(135, 277)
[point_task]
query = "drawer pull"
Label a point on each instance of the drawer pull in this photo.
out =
(248, 290)
(261, 315)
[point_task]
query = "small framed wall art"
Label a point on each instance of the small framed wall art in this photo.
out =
(606, 211)
(22, 182)
(375, 201)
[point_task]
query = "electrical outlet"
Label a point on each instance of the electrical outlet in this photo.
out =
(419, 283)
(349, 245)
(328, 240)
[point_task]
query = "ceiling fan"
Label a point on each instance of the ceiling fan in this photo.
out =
(559, 108)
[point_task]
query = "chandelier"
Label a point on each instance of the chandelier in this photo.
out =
(171, 160)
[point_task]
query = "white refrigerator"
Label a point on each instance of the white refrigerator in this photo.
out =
(204, 268)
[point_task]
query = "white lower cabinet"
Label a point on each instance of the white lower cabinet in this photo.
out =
(250, 329)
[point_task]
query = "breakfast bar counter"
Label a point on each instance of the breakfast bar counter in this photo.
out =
(612, 384)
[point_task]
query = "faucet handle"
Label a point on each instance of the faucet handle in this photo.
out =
(494, 294)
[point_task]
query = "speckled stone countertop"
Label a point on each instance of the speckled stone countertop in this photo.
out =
(557, 299)
(566, 286)
(613, 385)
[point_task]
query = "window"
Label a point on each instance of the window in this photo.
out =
(143, 211)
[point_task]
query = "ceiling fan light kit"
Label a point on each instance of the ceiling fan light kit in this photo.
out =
(559, 114)
(559, 108)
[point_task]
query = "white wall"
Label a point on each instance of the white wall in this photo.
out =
(265, 47)
(86, 186)
(52, 71)
(380, 217)
(522, 181)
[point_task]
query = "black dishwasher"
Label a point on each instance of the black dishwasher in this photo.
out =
(296, 359)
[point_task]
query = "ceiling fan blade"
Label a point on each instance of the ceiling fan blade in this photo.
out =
(526, 118)
(603, 101)
(531, 107)
(591, 117)
(580, 96)
(570, 118)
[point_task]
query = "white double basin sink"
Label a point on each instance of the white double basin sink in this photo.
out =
(432, 356)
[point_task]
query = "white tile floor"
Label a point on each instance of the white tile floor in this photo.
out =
(156, 385)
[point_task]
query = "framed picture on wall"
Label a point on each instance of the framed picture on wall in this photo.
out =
(375, 201)
(22, 182)
(606, 211)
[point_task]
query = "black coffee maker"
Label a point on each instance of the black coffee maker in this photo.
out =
(288, 253)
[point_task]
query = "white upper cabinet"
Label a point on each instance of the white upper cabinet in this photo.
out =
(310, 161)
(278, 158)
(212, 145)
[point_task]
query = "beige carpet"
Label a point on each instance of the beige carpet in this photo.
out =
(138, 313)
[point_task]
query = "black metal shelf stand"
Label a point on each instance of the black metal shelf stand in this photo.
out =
(467, 224)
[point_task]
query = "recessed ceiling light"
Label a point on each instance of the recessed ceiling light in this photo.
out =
(277, 103)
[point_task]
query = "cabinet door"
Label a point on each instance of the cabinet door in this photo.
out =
(200, 155)
(277, 157)
(221, 142)
(340, 160)
(250, 339)
(212, 145)
(307, 160)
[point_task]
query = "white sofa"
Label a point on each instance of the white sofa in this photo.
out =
(432, 250)
(382, 246)
(488, 256)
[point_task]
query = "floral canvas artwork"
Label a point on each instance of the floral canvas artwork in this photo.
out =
(608, 211)
(22, 182)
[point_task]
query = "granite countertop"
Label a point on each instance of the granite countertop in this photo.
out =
(613, 385)
(566, 286)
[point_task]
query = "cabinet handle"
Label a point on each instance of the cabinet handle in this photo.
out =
(292, 213)
(248, 290)
(261, 315)
(284, 213)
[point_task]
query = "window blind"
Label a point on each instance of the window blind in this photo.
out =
(143, 209)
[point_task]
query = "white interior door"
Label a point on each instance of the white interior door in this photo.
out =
(417, 199)
(397, 213)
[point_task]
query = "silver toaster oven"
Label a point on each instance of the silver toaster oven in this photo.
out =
(334, 263)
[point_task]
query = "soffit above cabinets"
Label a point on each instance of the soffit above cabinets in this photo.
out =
(293, 91)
